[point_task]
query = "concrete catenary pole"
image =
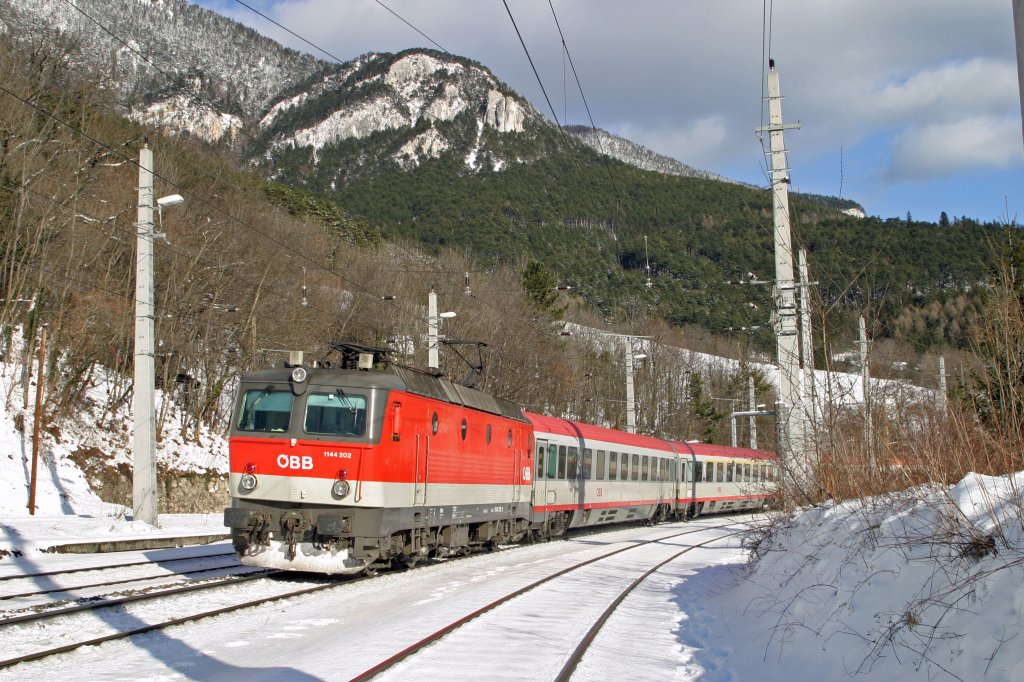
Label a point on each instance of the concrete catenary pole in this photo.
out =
(789, 410)
(806, 342)
(943, 392)
(630, 399)
(865, 377)
(433, 361)
(144, 492)
(753, 419)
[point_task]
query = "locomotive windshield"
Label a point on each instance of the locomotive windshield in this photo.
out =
(265, 410)
(336, 414)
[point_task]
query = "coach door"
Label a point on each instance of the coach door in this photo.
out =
(543, 488)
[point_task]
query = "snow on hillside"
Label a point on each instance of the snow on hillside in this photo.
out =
(62, 487)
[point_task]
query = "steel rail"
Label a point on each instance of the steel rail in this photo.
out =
(235, 564)
(160, 626)
(581, 649)
(84, 569)
(451, 627)
(118, 601)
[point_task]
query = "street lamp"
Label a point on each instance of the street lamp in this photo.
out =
(144, 487)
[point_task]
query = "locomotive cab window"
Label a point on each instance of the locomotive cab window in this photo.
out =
(265, 410)
(336, 414)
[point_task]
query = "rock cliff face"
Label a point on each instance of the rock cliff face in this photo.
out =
(381, 93)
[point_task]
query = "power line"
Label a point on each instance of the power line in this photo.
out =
(403, 20)
(532, 66)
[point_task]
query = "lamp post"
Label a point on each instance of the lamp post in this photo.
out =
(144, 490)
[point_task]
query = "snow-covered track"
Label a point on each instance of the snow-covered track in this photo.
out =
(63, 589)
(64, 628)
(125, 564)
(434, 638)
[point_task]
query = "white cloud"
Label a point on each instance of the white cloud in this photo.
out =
(942, 149)
(697, 144)
(949, 90)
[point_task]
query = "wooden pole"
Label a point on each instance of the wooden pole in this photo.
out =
(35, 424)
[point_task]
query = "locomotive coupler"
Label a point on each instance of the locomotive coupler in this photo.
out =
(293, 526)
(258, 529)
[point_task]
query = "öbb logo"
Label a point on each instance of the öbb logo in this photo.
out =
(295, 462)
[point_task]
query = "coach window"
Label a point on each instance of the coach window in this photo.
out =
(719, 472)
(746, 473)
(540, 460)
(729, 472)
(336, 414)
(634, 470)
(265, 410)
(552, 461)
(561, 462)
(613, 466)
(488, 434)
(600, 465)
(688, 472)
(664, 471)
(645, 467)
(698, 472)
(572, 461)
(588, 462)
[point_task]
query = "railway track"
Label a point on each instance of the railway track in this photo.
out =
(572, 661)
(61, 625)
(357, 616)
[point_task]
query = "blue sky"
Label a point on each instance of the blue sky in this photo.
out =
(906, 106)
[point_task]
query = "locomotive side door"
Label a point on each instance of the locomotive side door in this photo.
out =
(422, 446)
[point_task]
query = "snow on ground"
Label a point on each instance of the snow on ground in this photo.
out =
(901, 588)
(61, 486)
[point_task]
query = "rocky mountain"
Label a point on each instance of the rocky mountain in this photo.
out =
(637, 155)
(204, 75)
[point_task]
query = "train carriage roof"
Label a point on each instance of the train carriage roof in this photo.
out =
(714, 450)
(545, 424)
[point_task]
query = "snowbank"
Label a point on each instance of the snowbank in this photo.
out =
(925, 584)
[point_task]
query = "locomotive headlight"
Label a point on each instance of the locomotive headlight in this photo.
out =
(248, 482)
(299, 375)
(340, 488)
